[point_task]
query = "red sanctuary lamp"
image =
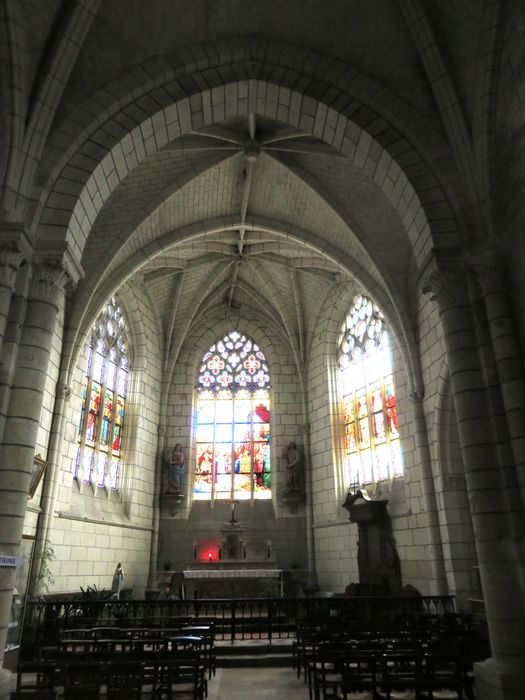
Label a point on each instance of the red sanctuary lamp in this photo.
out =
(209, 556)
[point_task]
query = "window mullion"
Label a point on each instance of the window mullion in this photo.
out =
(87, 405)
(111, 429)
(98, 432)
(252, 449)
(213, 451)
(98, 435)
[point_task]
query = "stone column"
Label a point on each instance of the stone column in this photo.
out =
(51, 482)
(489, 271)
(24, 411)
(428, 493)
(153, 577)
(304, 429)
(14, 249)
(498, 541)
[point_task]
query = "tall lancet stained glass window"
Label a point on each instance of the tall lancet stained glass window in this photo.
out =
(104, 400)
(233, 421)
(373, 451)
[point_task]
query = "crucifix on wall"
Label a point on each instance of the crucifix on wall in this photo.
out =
(233, 503)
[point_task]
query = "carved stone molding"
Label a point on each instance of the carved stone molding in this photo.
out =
(65, 391)
(417, 395)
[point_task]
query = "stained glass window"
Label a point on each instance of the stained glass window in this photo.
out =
(372, 450)
(233, 421)
(103, 400)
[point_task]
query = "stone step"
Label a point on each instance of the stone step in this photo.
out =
(240, 649)
(255, 661)
(254, 654)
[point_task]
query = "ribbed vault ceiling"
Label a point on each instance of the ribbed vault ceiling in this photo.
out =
(247, 212)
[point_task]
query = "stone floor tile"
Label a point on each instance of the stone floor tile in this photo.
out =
(261, 683)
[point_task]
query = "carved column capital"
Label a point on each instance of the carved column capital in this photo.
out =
(446, 279)
(447, 286)
(489, 268)
(10, 260)
(15, 248)
(49, 280)
(53, 268)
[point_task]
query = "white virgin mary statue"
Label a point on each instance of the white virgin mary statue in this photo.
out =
(118, 580)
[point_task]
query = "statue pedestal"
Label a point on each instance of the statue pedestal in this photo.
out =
(173, 501)
(292, 499)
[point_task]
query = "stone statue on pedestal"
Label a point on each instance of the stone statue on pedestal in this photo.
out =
(176, 469)
(292, 457)
(118, 580)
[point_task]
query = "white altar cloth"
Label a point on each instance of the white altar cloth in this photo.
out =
(232, 573)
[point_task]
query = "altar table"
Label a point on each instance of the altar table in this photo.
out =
(231, 583)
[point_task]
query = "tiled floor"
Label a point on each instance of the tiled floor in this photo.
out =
(257, 684)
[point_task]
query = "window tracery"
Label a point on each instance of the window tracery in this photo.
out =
(372, 450)
(233, 421)
(104, 394)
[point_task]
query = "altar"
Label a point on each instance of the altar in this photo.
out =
(232, 580)
(235, 564)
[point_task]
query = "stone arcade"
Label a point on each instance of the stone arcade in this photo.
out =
(177, 177)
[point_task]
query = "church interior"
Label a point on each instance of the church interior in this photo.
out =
(261, 265)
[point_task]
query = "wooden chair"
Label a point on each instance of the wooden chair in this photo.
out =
(81, 693)
(105, 632)
(305, 648)
(75, 649)
(82, 681)
(34, 695)
(180, 679)
(444, 672)
(324, 669)
(114, 648)
(125, 680)
(36, 676)
(401, 673)
(206, 632)
(190, 647)
(76, 633)
(377, 647)
(358, 675)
